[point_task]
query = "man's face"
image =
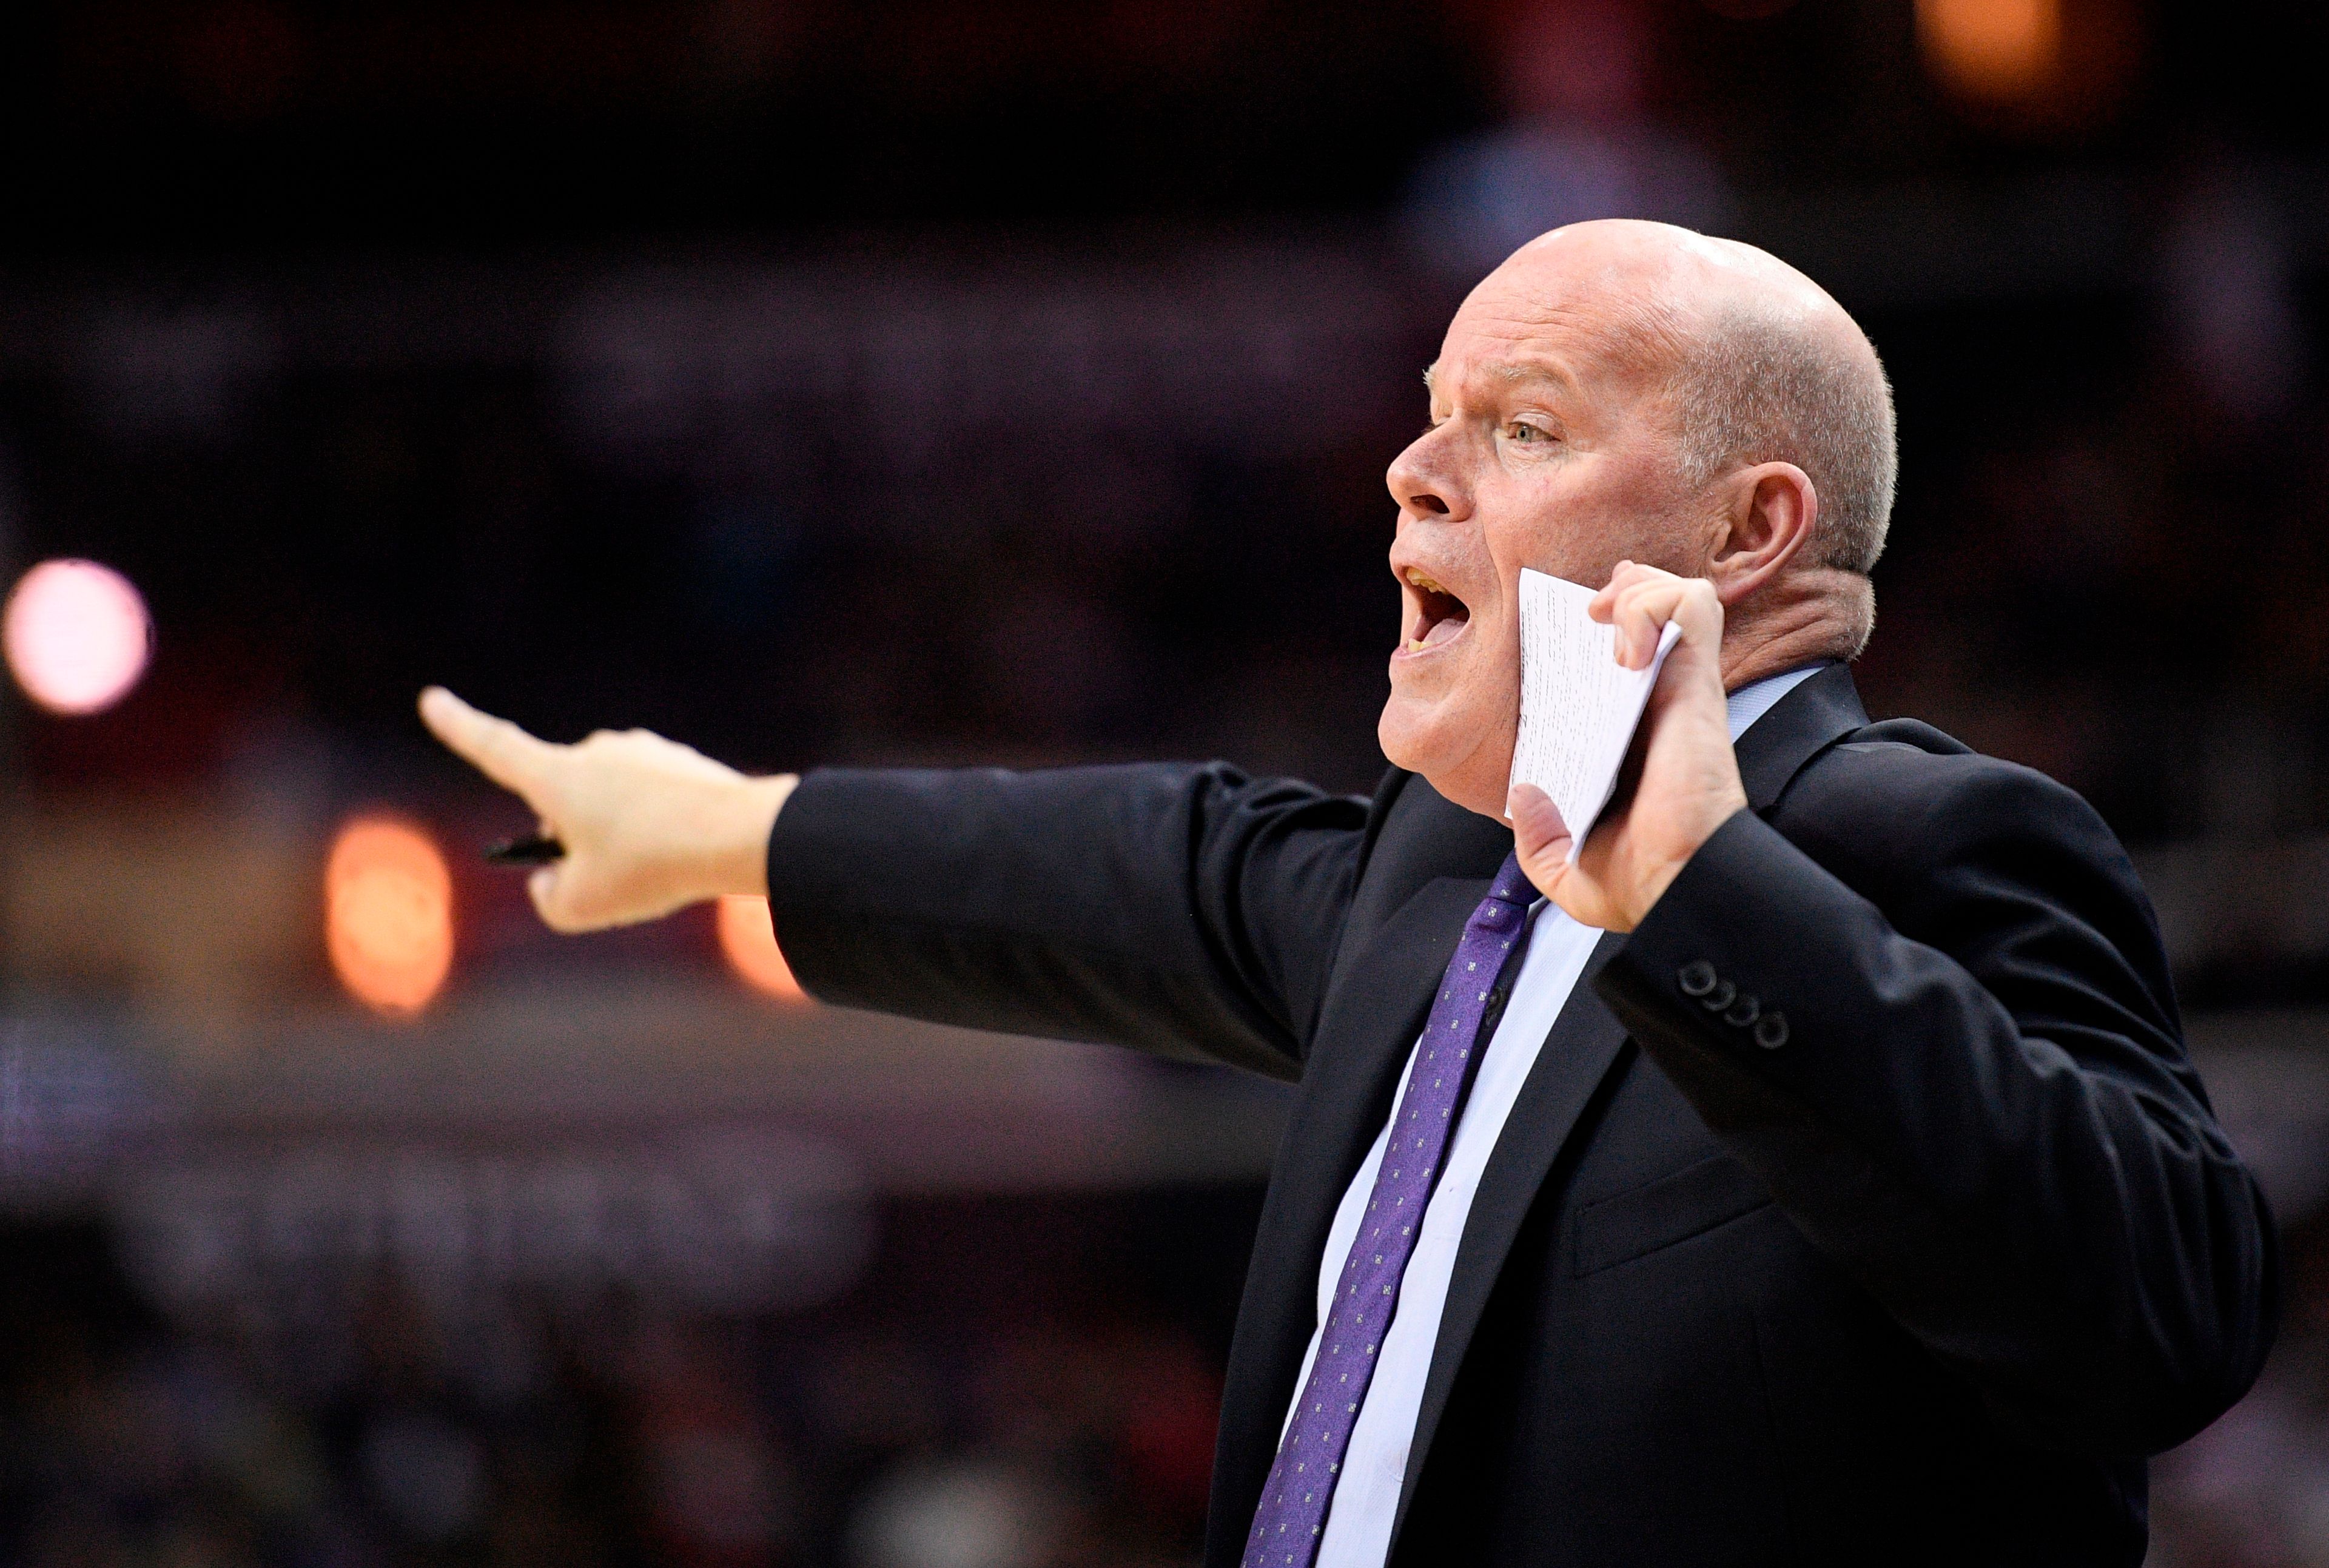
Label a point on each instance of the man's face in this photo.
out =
(1549, 447)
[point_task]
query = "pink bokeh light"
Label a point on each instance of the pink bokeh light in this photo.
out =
(76, 635)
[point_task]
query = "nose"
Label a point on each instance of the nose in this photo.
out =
(1425, 479)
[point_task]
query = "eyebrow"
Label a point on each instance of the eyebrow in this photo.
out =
(1512, 371)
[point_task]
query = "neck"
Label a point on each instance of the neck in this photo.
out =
(1807, 616)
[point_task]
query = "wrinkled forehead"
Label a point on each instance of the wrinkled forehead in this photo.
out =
(1595, 332)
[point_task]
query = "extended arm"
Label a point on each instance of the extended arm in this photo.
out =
(1182, 908)
(1179, 908)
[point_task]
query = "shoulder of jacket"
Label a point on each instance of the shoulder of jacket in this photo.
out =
(1925, 787)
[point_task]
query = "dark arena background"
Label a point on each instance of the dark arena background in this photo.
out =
(903, 382)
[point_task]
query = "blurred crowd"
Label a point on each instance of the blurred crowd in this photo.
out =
(2252, 1491)
(620, 1432)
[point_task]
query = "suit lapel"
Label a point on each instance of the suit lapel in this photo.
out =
(1800, 726)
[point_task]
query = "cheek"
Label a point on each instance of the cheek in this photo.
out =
(1578, 520)
(1492, 663)
(1545, 520)
(1643, 506)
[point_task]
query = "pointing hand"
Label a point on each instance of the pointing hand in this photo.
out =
(649, 825)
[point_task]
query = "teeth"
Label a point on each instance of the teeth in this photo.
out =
(1419, 580)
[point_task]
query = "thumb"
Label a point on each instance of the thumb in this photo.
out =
(1539, 835)
(545, 885)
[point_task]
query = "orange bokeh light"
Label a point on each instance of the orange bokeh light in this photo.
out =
(749, 938)
(388, 902)
(1998, 50)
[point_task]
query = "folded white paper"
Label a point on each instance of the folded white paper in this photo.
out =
(1579, 705)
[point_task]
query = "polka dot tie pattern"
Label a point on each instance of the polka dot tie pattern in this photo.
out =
(1291, 1518)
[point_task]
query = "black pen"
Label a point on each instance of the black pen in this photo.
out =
(533, 849)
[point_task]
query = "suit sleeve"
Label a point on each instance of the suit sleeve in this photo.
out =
(1961, 1074)
(1179, 908)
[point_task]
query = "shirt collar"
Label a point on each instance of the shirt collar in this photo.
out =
(1750, 702)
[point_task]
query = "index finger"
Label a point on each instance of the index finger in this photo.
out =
(1602, 605)
(1645, 606)
(496, 748)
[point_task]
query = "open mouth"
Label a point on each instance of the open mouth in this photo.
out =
(1439, 614)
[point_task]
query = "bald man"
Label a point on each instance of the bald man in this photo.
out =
(1810, 1171)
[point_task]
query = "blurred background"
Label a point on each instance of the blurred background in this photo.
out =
(905, 381)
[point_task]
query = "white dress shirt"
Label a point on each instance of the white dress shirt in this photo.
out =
(1366, 1498)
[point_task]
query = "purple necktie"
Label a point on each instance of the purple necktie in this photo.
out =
(1292, 1514)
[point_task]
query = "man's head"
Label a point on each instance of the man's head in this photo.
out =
(1629, 391)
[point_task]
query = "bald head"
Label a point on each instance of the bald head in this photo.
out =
(1758, 365)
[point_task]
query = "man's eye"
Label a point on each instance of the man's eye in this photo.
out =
(1520, 432)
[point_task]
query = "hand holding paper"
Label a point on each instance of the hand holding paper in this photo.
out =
(1581, 701)
(1579, 705)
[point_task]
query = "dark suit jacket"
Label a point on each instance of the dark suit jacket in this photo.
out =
(1922, 1283)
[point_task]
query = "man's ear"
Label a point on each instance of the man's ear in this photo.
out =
(1771, 512)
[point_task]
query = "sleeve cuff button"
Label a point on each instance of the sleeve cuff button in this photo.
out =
(1743, 1011)
(1695, 977)
(1771, 1031)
